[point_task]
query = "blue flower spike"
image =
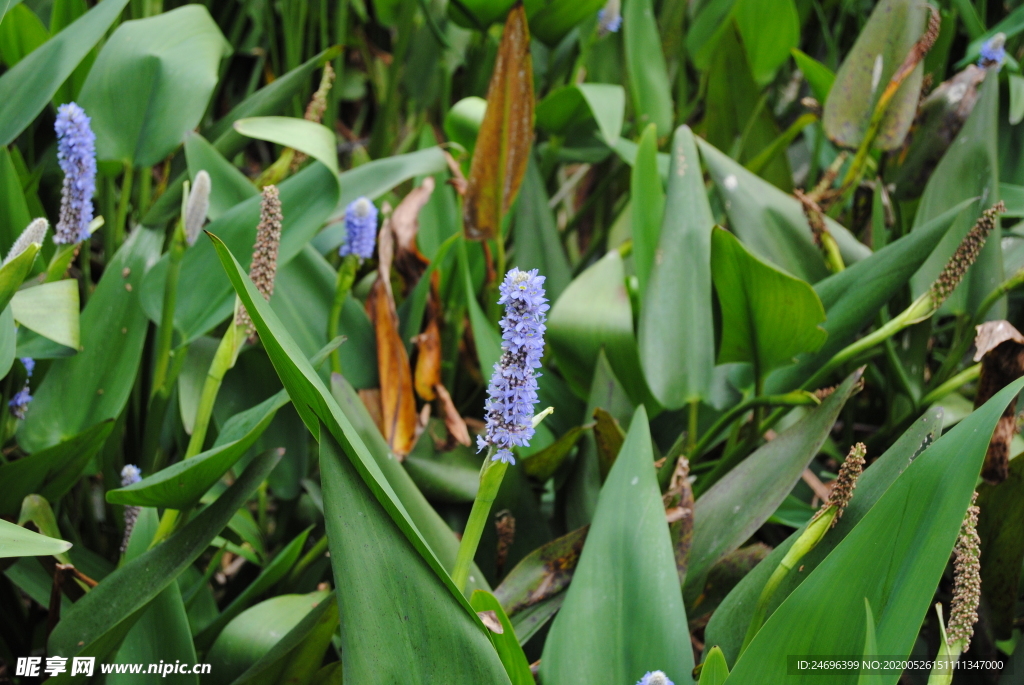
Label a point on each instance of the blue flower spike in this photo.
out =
(76, 154)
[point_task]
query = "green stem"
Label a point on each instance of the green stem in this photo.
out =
(314, 553)
(118, 232)
(692, 428)
(491, 475)
(223, 360)
(346, 277)
(966, 376)
(165, 334)
(791, 399)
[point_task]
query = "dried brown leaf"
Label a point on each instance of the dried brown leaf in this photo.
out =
(992, 334)
(398, 405)
(506, 134)
(490, 619)
(428, 360)
(455, 424)
(1001, 350)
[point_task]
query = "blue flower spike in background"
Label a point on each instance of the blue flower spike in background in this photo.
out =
(993, 52)
(655, 678)
(358, 245)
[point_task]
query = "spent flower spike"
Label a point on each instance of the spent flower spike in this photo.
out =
(966, 254)
(655, 678)
(76, 153)
(963, 611)
(512, 393)
(360, 229)
(993, 52)
(263, 269)
(35, 233)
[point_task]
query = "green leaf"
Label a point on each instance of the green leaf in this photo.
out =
(372, 180)
(16, 541)
(543, 464)
(648, 198)
(204, 294)
(1016, 99)
(255, 631)
(385, 589)
(894, 557)
(551, 20)
(768, 317)
(7, 6)
(729, 623)
(50, 472)
(29, 86)
(731, 510)
(572, 106)
(676, 334)
(649, 86)
(853, 296)
(771, 223)
(151, 84)
(14, 273)
(587, 643)
(462, 122)
(14, 212)
(871, 646)
(21, 32)
(98, 621)
(541, 575)
(271, 573)
(103, 372)
(538, 243)
(316, 140)
(228, 185)
(506, 644)
(62, 15)
(594, 312)
(485, 337)
(8, 341)
(819, 77)
(714, 670)
(484, 12)
(890, 32)
(296, 657)
(161, 634)
(970, 169)
(770, 29)
(49, 309)
(180, 485)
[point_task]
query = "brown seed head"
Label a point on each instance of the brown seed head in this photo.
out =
(264, 252)
(963, 612)
(842, 488)
(965, 255)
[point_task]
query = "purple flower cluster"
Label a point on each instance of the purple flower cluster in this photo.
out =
(130, 475)
(993, 52)
(360, 229)
(512, 392)
(609, 18)
(19, 403)
(655, 678)
(76, 153)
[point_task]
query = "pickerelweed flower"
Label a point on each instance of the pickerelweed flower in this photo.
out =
(609, 18)
(655, 678)
(76, 153)
(19, 403)
(130, 475)
(35, 233)
(360, 229)
(993, 52)
(512, 393)
(197, 207)
(263, 269)
(963, 611)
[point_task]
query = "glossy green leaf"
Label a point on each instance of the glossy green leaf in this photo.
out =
(645, 63)
(853, 296)
(316, 140)
(483, 13)
(819, 77)
(62, 15)
(51, 310)
(7, 6)
(729, 623)
(676, 331)
(161, 634)
(648, 208)
(151, 84)
(970, 169)
(768, 317)
(21, 32)
(16, 541)
(462, 121)
(890, 32)
(770, 29)
(509, 650)
(14, 211)
(8, 341)
(714, 670)
(430, 524)
(28, 87)
(894, 557)
(113, 334)
(228, 185)
(594, 312)
(541, 575)
(50, 472)
(444, 477)
(571, 106)
(771, 223)
(97, 622)
(180, 485)
(538, 243)
(13, 274)
(485, 337)
(372, 180)
(295, 658)
(733, 508)
(551, 20)
(543, 464)
(204, 294)
(254, 632)
(587, 643)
